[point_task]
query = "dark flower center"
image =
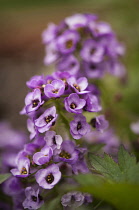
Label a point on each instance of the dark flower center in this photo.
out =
(69, 44)
(77, 87)
(79, 126)
(54, 140)
(55, 90)
(72, 64)
(40, 197)
(34, 198)
(24, 171)
(65, 155)
(92, 51)
(49, 119)
(73, 106)
(50, 178)
(92, 66)
(35, 103)
(93, 122)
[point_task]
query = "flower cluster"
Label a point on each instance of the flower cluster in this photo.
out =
(57, 107)
(83, 45)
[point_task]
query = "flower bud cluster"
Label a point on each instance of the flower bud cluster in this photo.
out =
(83, 45)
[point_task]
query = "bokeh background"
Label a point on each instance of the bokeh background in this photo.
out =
(22, 53)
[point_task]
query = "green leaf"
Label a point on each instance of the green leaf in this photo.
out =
(126, 170)
(106, 166)
(3, 177)
(122, 196)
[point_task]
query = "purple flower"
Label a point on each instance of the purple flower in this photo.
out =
(12, 186)
(50, 33)
(100, 123)
(69, 63)
(79, 127)
(33, 101)
(92, 103)
(55, 89)
(99, 28)
(47, 178)
(23, 167)
(72, 199)
(36, 81)
(78, 85)
(33, 199)
(46, 120)
(135, 127)
(74, 104)
(94, 70)
(53, 140)
(76, 21)
(51, 53)
(43, 156)
(92, 51)
(66, 43)
(31, 128)
(68, 152)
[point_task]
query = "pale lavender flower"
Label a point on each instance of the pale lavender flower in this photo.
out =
(79, 127)
(31, 128)
(23, 168)
(36, 81)
(72, 199)
(94, 70)
(33, 199)
(68, 152)
(74, 104)
(100, 123)
(92, 103)
(49, 177)
(79, 85)
(55, 89)
(76, 21)
(69, 63)
(33, 101)
(50, 33)
(46, 120)
(43, 156)
(53, 140)
(92, 51)
(66, 43)
(135, 127)
(51, 53)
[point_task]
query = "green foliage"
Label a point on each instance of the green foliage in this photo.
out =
(117, 183)
(126, 170)
(3, 177)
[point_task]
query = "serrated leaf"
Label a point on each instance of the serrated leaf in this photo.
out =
(3, 177)
(106, 166)
(125, 160)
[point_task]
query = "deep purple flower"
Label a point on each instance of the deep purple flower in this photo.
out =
(31, 128)
(92, 103)
(79, 85)
(33, 199)
(68, 152)
(74, 104)
(69, 63)
(51, 53)
(100, 123)
(33, 101)
(55, 89)
(87, 198)
(79, 127)
(66, 43)
(46, 120)
(23, 168)
(92, 51)
(53, 140)
(50, 33)
(12, 186)
(43, 156)
(47, 178)
(72, 199)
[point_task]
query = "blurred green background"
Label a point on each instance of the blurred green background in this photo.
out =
(22, 53)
